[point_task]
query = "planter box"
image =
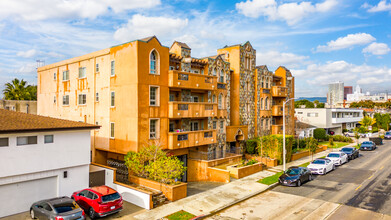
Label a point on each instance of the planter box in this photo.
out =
(267, 161)
(172, 192)
(299, 155)
(240, 172)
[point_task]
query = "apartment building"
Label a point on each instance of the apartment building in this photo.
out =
(335, 94)
(142, 92)
(26, 106)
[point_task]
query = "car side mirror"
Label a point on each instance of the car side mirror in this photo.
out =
(39, 206)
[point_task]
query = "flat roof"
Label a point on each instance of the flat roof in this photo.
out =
(19, 122)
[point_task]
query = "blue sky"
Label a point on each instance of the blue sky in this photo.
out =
(319, 41)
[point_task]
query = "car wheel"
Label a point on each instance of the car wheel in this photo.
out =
(310, 177)
(298, 183)
(32, 214)
(333, 167)
(91, 213)
(324, 171)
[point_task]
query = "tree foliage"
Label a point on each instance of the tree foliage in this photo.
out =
(367, 121)
(371, 104)
(382, 121)
(152, 162)
(272, 146)
(19, 90)
(312, 145)
(308, 104)
(319, 134)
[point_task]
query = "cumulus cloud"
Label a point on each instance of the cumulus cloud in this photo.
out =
(27, 54)
(142, 26)
(54, 9)
(377, 49)
(276, 58)
(381, 6)
(291, 13)
(349, 41)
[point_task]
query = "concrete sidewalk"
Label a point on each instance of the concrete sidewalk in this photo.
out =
(221, 197)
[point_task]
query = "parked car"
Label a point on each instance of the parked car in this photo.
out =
(349, 134)
(352, 152)
(387, 135)
(368, 145)
(60, 208)
(99, 201)
(295, 176)
(321, 166)
(338, 158)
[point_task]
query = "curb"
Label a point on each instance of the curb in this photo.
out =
(235, 202)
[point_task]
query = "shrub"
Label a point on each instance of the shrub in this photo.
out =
(272, 147)
(301, 144)
(320, 134)
(251, 162)
(331, 142)
(251, 146)
(344, 130)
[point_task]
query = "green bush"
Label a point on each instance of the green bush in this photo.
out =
(341, 138)
(320, 134)
(331, 142)
(272, 147)
(344, 130)
(251, 146)
(301, 144)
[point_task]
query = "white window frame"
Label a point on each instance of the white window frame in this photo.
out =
(27, 143)
(78, 99)
(82, 73)
(48, 135)
(157, 95)
(112, 68)
(157, 62)
(112, 130)
(66, 104)
(65, 75)
(112, 99)
(157, 128)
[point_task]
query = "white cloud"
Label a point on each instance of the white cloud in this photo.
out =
(288, 12)
(377, 49)
(142, 26)
(276, 58)
(349, 41)
(381, 6)
(53, 9)
(27, 54)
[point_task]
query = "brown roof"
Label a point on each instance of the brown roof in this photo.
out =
(184, 45)
(14, 122)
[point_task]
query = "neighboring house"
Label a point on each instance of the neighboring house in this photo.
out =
(143, 92)
(304, 130)
(331, 119)
(26, 106)
(41, 158)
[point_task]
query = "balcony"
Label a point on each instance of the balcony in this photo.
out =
(277, 110)
(237, 133)
(191, 109)
(186, 80)
(279, 91)
(277, 129)
(178, 140)
(346, 120)
(221, 85)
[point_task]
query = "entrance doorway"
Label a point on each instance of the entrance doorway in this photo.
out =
(183, 158)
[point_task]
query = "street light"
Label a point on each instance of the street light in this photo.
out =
(283, 134)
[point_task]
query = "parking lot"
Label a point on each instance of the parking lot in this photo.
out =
(361, 185)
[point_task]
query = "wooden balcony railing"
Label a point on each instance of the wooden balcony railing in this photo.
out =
(277, 129)
(191, 109)
(186, 80)
(177, 140)
(279, 91)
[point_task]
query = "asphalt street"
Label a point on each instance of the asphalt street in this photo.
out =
(361, 186)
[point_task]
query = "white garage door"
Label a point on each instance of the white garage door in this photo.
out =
(18, 197)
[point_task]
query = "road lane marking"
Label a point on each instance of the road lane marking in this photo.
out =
(358, 187)
(370, 177)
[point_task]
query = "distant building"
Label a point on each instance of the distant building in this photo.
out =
(358, 95)
(41, 158)
(335, 94)
(304, 130)
(331, 119)
(25, 106)
(347, 90)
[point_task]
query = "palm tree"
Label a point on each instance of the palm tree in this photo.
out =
(367, 121)
(19, 90)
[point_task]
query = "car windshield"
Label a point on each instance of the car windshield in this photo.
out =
(388, 133)
(111, 197)
(347, 149)
(333, 155)
(293, 171)
(318, 162)
(65, 207)
(366, 142)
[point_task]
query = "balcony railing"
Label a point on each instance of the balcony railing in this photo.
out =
(188, 80)
(177, 140)
(191, 109)
(221, 85)
(279, 91)
(277, 110)
(277, 129)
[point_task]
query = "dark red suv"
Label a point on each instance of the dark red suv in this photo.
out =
(99, 201)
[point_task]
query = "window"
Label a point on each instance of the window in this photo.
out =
(65, 75)
(54, 99)
(262, 84)
(26, 140)
(172, 97)
(54, 76)
(65, 100)
(154, 96)
(47, 207)
(266, 103)
(261, 103)
(112, 99)
(221, 79)
(214, 72)
(299, 113)
(112, 130)
(171, 127)
(3, 142)
(112, 68)
(214, 124)
(220, 101)
(48, 139)
(97, 97)
(82, 99)
(153, 128)
(153, 63)
(214, 98)
(82, 72)
(221, 126)
(97, 67)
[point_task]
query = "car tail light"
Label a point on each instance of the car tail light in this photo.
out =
(59, 218)
(82, 212)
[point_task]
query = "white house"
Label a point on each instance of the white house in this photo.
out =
(41, 158)
(331, 119)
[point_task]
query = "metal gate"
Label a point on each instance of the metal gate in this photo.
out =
(97, 178)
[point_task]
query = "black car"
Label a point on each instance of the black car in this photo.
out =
(295, 176)
(368, 145)
(352, 152)
(63, 208)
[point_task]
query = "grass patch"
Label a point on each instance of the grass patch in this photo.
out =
(270, 179)
(304, 164)
(180, 215)
(336, 144)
